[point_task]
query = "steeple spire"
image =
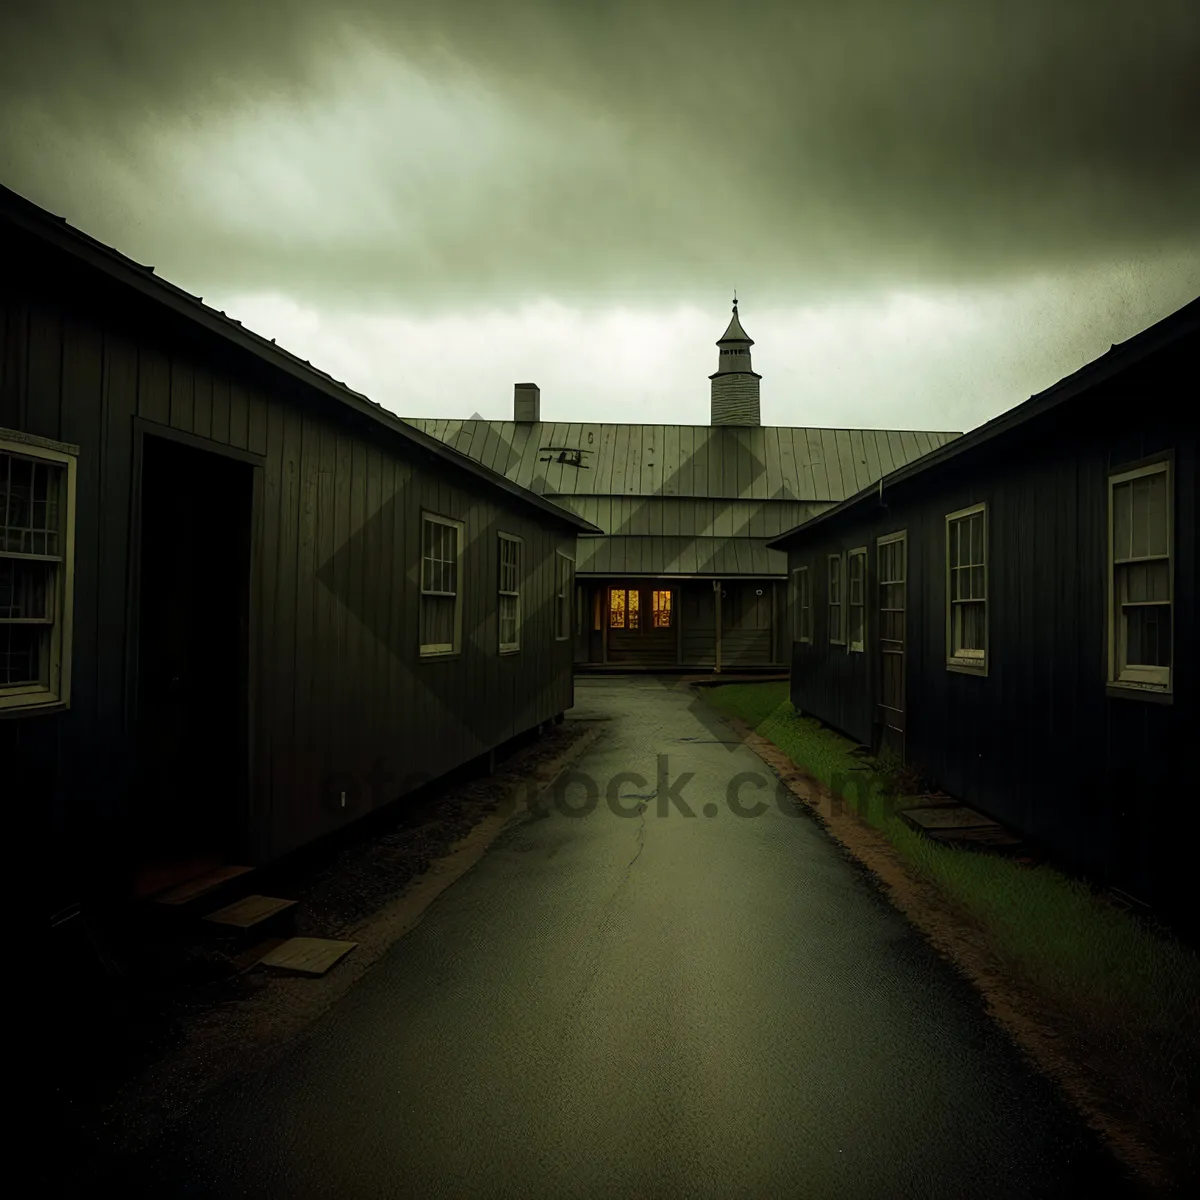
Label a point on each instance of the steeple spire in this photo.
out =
(735, 382)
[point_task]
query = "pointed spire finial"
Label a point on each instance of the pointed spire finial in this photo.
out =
(735, 299)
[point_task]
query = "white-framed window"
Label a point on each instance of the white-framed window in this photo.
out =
(837, 607)
(441, 595)
(564, 581)
(37, 565)
(966, 589)
(509, 606)
(801, 605)
(856, 602)
(1140, 583)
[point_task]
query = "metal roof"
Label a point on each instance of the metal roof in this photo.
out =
(734, 332)
(55, 231)
(1117, 358)
(756, 462)
(700, 556)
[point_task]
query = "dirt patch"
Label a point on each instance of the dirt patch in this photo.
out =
(1068, 1050)
(228, 1019)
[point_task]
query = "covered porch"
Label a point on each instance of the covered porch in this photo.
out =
(659, 622)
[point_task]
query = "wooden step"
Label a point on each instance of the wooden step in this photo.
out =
(250, 912)
(307, 955)
(184, 893)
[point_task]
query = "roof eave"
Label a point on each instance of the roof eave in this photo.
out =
(1116, 359)
(57, 232)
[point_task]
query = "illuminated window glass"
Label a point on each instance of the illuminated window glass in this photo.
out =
(662, 610)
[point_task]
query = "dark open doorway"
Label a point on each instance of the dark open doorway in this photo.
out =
(193, 624)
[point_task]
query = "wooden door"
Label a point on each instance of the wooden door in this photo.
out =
(892, 572)
(641, 621)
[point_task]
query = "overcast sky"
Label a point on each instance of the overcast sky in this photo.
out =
(929, 210)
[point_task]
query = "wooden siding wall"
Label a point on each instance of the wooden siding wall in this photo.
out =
(1037, 742)
(698, 612)
(340, 689)
(746, 623)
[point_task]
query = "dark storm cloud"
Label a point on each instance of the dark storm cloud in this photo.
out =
(652, 146)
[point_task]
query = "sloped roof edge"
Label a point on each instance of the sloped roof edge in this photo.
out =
(1119, 357)
(56, 231)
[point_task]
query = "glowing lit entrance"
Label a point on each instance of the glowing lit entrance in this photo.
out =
(641, 625)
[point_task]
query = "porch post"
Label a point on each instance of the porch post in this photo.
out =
(717, 597)
(677, 617)
(604, 603)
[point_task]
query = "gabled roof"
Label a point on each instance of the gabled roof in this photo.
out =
(54, 231)
(1118, 358)
(723, 461)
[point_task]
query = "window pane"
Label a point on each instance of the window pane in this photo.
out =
(437, 620)
(634, 615)
(1122, 498)
(24, 590)
(968, 627)
(508, 620)
(1148, 636)
(977, 583)
(1144, 582)
(616, 609)
(662, 610)
(21, 651)
(1156, 534)
(1141, 516)
(29, 510)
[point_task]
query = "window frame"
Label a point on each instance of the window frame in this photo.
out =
(439, 649)
(1147, 682)
(802, 605)
(55, 691)
(563, 586)
(974, 662)
(840, 603)
(860, 646)
(519, 542)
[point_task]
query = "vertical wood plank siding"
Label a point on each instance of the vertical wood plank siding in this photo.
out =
(1037, 742)
(339, 690)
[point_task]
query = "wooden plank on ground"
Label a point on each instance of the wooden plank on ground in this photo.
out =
(947, 817)
(249, 911)
(307, 955)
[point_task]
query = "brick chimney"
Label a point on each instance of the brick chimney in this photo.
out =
(527, 403)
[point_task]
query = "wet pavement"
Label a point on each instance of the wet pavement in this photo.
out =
(647, 1005)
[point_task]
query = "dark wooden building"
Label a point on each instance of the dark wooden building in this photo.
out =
(1016, 613)
(684, 575)
(240, 604)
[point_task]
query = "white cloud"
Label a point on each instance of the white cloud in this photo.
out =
(949, 359)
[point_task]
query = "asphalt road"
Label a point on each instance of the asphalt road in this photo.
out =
(648, 1006)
